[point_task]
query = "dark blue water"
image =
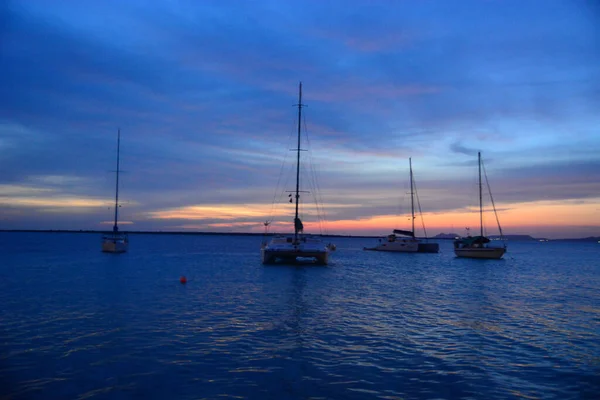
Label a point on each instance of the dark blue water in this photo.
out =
(80, 324)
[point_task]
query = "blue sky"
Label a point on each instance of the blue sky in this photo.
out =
(203, 94)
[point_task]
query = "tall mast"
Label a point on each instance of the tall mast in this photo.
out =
(412, 201)
(115, 227)
(480, 196)
(298, 162)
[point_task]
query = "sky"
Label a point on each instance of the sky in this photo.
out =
(203, 93)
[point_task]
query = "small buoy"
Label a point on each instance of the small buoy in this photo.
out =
(183, 280)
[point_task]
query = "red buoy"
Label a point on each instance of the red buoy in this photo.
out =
(183, 280)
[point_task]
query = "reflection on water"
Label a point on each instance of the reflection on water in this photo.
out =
(370, 325)
(297, 305)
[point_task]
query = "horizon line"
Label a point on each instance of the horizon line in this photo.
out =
(268, 234)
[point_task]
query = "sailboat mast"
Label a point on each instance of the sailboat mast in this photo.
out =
(115, 227)
(298, 162)
(480, 196)
(412, 200)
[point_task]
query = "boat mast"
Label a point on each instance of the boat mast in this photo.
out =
(412, 201)
(115, 227)
(480, 196)
(296, 225)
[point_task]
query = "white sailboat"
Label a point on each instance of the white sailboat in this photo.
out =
(405, 241)
(290, 248)
(116, 242)
(477, 246)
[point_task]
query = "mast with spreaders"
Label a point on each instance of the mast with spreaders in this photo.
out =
(480, 197)
(297, 222)
(412, 198)
(115, 226)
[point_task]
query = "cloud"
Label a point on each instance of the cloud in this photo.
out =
(459, 148)
(56, 202)
(203, 94)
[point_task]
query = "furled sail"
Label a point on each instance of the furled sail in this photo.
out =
(406, 233)
(298, 224)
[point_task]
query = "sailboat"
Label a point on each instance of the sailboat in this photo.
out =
(477, 246)
(116, 242)
(291, 248)
(406, 242)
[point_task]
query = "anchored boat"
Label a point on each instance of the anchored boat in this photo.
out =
(477, 246)
(405, 241)
(292, 248)
(116, 242)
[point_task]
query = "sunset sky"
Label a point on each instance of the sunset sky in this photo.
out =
(203, 92)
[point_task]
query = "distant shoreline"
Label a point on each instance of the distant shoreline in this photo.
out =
(171, 233)
(514, 238)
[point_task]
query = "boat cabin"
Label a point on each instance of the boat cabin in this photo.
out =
(471, 242)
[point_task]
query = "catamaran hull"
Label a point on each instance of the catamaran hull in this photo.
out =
(292, 256)
(486, 252)
(429, 248)
(111, 246)
(407, 247)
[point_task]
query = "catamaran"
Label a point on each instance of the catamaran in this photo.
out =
(405, 241)
(477, 246)
(115, 241)
(291, 248)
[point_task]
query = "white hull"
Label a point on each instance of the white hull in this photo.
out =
(483, 252)
(398, 246)
(114, 245)
(282, 256)
(283, 250)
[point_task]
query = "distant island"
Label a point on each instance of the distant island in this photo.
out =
(521, 238)
(171, 232)
(493, 237)
(586, 239)
(518, 237)
(446, 236)
(440, 236)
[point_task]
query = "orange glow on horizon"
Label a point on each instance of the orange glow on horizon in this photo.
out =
(517, 215)
(218, 211)
(53, 202)
(512, 217)
(50, 199)
(225, 211)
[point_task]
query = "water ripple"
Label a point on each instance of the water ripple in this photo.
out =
(86, 325)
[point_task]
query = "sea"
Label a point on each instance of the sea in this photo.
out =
(76, 323)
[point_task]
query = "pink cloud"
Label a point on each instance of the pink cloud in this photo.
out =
(372, 43)
(353, 89)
